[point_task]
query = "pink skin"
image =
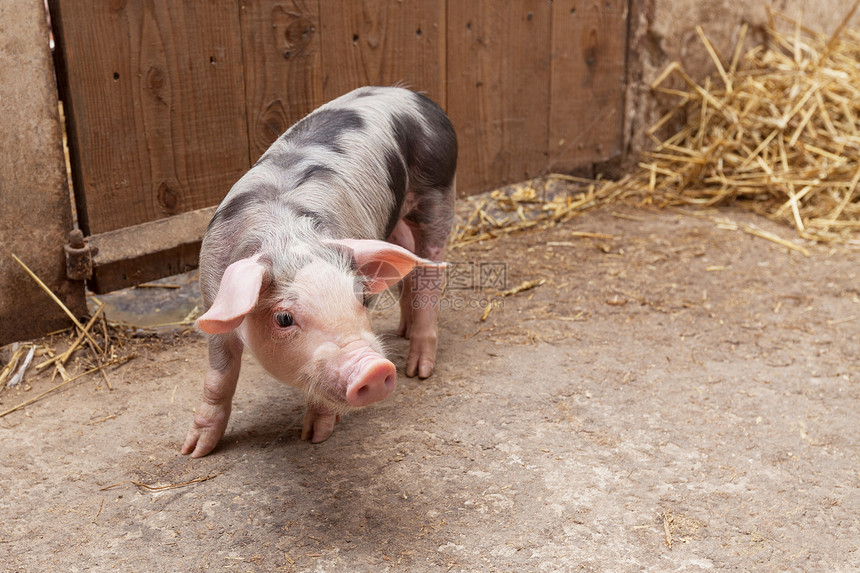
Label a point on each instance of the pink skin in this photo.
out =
(329, 350)
(418, 311)
(211, 416)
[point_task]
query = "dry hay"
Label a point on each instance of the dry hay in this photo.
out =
(776, 131)
(780, 134)
(97, 350)
(95, 347)
(537, 204)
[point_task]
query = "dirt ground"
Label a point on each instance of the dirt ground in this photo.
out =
(675, 397)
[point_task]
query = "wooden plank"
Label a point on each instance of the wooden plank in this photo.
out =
(589, 46)
(384, 42)
(35, 210)
(498, 80)
(283, 66)
(148, 251)
(155, 96)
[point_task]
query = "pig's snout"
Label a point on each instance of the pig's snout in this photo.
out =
(374, 383)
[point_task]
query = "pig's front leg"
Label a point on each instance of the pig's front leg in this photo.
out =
(319, 424)
(219, 385)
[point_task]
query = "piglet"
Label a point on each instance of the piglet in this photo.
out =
(349, 201)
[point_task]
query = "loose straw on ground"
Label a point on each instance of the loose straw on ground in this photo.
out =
(526, 285)
(524, 207)
(10, 367)
(161, 487)
(64, 357)
(68, 381)
(56, 300)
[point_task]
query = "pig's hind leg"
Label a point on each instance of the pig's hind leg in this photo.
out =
(219, 385)
(424, 231)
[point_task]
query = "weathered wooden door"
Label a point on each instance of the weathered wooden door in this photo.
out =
(157, 127)
(169, 102)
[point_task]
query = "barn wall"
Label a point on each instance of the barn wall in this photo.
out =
(35, 211)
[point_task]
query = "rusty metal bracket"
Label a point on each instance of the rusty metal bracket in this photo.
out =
(79, 257)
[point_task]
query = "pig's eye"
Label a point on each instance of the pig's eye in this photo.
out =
(284, 319)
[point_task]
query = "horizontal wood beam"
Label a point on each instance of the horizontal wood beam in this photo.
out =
(148, 251)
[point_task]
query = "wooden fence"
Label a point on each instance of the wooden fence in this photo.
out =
(169, 102)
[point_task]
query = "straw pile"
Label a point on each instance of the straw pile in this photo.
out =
(779, 132)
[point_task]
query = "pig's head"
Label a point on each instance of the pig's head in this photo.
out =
(305, 321)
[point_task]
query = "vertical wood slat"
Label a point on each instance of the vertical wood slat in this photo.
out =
(498, 80)
(283, 66)
(383, 42)
(156, 104)
(589, 45)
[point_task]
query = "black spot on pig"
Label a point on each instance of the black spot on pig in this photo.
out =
(396, 174)
(407, 131)
(232, 210)
(345, 255)
(397, 181)
(281, 158)
(314, 172)
(432, 155)
(301, 211)
(324, 128)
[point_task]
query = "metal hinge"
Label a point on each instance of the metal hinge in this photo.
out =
(79, 257)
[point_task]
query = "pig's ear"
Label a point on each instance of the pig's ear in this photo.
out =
(237, 296)
(384, 264)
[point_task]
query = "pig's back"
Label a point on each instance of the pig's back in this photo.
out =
(351, 162)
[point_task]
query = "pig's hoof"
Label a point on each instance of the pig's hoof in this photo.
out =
(199, 442)
(422, 356)
(208, 427)
(318, 425)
